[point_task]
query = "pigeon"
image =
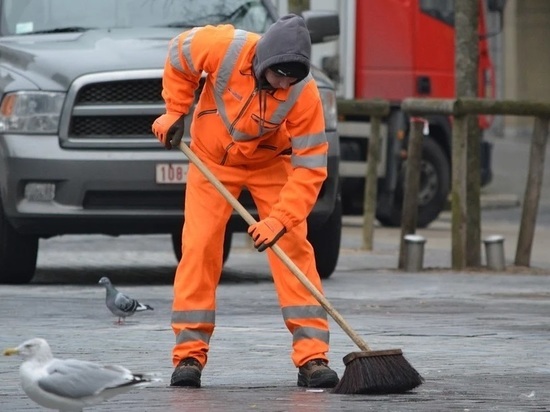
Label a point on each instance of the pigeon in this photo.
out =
(120, 304)
(70, 384)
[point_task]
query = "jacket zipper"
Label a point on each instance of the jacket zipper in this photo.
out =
(226, 154)
(232, 128)
(267, 146)
(261, 146)
(205, 112)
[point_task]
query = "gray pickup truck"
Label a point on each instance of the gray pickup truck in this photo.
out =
(80, 85)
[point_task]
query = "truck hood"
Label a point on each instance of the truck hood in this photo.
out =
(52, 61)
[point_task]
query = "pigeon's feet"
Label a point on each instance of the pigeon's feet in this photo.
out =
(187, 373)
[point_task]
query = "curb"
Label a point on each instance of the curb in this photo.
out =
(487, 201)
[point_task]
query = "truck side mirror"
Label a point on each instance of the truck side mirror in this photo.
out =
(323, 26)
(496, 5)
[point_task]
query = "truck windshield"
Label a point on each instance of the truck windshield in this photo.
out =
(55, 16)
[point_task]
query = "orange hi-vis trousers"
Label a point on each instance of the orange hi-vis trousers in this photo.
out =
(199, 271)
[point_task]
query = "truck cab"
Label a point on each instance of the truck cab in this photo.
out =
(404, 48)
(80, 88)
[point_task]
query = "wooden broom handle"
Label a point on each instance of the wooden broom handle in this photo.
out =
(360, 342)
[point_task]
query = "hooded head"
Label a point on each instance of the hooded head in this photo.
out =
(285, 48)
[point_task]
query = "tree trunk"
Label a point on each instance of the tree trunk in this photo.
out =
(466, 66)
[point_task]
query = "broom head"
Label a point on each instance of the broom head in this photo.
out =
(377, 372)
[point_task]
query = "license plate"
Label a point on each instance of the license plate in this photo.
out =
(171, 173)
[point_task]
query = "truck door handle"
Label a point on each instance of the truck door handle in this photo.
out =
(423, 85)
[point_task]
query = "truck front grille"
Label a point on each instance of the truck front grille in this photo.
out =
(133, 200)
(118, 108)
(139, 200)
(114, 127)
(121, 92)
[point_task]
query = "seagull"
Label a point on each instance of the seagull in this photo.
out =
(120, 304)
(70, 384)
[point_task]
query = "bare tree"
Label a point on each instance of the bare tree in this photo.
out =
(466, 66)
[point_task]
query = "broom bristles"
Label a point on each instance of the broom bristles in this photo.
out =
(377, 372)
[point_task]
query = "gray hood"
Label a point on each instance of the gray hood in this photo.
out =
(287, 40)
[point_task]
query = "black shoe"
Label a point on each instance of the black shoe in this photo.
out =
(317, 374)
(187, 373)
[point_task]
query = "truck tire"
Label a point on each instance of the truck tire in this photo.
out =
(17, 254)
(435, 184)
(325, 240)
(352, 187)
(176, 244)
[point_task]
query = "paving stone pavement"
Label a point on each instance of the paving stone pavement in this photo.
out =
(480, 338)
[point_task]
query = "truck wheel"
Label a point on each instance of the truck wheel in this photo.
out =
(352, 187)
(17, 254)
(176, 244)
(325, 240)
(435, 184)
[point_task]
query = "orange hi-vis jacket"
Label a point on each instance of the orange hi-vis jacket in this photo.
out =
(240, 122)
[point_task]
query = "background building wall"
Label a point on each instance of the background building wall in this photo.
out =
(526, 48)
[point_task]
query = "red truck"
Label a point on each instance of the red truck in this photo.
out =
(394, 49)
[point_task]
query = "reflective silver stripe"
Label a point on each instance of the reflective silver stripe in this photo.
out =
(240, 136)
(225, 71)
(224, 74)
(311, 333)
(194, 316)
(304, 312)
(309, 162)
(188, 335)
(280, 114)
(311, 140)
(186, 50)
(174, 52)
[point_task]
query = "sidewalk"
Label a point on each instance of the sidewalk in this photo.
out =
(438, 246)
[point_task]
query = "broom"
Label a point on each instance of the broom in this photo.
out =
(366, 372)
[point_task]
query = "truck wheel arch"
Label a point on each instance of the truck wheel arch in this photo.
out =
(435, 171)
(18, 253)
(325, 239)
(176, 244)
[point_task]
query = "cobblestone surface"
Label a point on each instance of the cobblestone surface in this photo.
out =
(480, 339)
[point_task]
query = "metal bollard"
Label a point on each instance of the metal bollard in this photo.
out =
(414, 253)
(494, 252)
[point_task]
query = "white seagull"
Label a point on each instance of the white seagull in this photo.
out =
(70, 384)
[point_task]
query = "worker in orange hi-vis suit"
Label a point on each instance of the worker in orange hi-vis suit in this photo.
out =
(258, 124)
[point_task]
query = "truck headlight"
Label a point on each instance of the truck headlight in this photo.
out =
(31, 112)
(328, 97)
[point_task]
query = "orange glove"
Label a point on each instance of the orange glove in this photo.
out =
(169, 129)
(266, 232)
